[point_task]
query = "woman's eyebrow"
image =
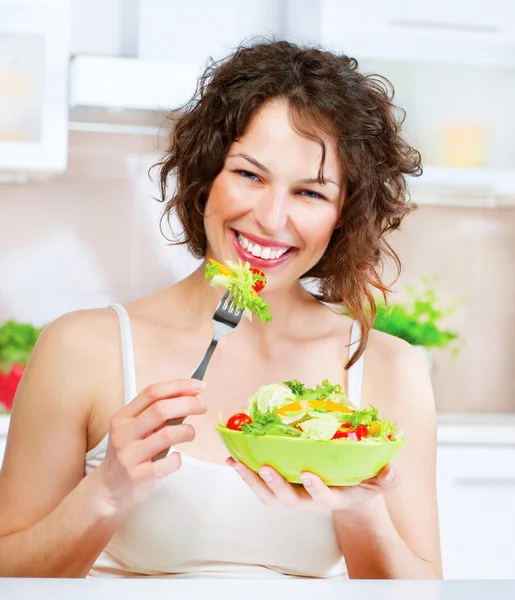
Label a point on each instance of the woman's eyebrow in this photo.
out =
(251, 160)
(256, 163)
(315, 180)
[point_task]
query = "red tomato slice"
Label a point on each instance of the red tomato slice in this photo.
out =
(259, 285)
(354, 434)
(237, 421)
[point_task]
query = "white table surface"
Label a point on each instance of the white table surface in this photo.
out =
(248, 589)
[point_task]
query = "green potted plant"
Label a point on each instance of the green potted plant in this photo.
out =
(418, 320)
(17, 341)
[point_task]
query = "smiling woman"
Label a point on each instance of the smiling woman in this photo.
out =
(300, 123)
(290, 159)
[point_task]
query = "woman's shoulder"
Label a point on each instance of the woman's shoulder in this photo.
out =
(77, 332)
(396, 375)
(386, 348)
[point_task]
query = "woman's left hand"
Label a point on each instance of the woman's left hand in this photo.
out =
(313, 494)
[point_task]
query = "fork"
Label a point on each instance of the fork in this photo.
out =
(225, 319)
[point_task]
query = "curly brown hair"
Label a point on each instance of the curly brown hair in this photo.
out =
(325, 92)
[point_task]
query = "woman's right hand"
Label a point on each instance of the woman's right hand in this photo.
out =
(137, 434)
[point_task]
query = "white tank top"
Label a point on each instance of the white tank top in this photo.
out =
(203, 520)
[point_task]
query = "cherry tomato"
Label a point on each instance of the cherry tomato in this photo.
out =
(354, 434)
(259, 285)
(361, 431)
(237, 421)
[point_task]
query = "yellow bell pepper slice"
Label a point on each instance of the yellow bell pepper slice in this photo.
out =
(299, 405)
(374, 428)
(222, 268)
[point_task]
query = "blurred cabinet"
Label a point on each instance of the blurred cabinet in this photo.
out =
(452, 65)
(468, 31)
(191, 32)
(34, 55)
(476, 497)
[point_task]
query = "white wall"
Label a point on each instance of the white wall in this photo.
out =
(87, 238)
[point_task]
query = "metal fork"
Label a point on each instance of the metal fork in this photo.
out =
(225, 319)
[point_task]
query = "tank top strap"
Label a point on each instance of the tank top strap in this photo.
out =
(355, 374)
(129, 369)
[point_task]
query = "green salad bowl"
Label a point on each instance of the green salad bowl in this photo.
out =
(337, 462)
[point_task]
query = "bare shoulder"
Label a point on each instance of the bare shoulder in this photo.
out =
(82, 335)
(396, 376)
(70, 358)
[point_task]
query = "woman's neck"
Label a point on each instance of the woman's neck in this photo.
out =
(289, 307)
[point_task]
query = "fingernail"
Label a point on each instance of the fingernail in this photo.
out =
(306, 481)
(197, 384)
(202, 402)
(390, 476)
(238, 470)
(265, 476)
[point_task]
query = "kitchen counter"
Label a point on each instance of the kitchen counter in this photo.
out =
(225, 589)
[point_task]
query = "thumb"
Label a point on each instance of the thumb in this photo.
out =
(388, 477)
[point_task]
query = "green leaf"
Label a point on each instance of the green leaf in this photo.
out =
(295, 386)
(268, 423)
(17, 340)
(418, 321)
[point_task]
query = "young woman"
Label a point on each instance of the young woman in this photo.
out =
(294, 151)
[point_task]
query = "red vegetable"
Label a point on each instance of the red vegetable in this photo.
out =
(360, 432)
(237, 421)
(8, 385)
(259, 285)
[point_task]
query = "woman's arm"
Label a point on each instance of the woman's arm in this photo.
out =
(54, 521)
(396, 535)
(51, 520)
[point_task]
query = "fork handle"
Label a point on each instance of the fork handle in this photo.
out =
(198, 373)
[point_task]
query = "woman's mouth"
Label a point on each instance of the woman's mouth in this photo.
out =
(260, 254)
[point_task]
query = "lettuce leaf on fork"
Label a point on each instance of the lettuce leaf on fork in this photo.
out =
(240, 281)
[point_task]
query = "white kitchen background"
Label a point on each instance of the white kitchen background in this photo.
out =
(79, 227)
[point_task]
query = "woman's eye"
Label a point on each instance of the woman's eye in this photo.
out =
(248, 175)
(312, 194)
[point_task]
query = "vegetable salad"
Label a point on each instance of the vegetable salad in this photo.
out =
(322, 413)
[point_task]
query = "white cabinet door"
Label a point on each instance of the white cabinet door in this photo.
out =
(437, 30)
(34, 61)
(476, 496)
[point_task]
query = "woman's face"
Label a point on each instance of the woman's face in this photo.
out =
(266, 207)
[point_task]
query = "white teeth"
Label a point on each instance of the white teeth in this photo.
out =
(243, 241)
(257, 250)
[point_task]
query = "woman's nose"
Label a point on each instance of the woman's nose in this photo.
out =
(271, 211)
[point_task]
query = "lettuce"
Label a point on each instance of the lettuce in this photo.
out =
(240, 281)
(324, 391)
(269, 397)
(321, 426)
(268, 423)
